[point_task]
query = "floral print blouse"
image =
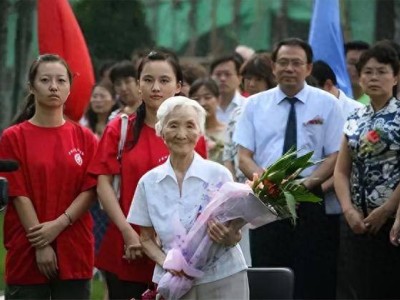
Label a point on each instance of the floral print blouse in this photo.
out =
(230, 147)
(374, 143)
(215, 145)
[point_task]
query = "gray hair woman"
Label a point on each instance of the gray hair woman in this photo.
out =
(172, 195)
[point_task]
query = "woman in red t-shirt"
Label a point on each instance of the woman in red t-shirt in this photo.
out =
(47, 227)
(160, 77)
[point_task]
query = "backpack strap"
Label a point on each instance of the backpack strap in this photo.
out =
(124, 128)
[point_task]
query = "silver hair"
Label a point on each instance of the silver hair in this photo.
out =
(179, 101)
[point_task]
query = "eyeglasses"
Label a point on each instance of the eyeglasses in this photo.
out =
(296, 63)
(378, 72)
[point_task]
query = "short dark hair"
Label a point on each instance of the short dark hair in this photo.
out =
(226, 58)
(122, 69)
(356, 45)
(209, 83)
(192, 71)
(321, 71)
(393, 44)
(259, 65)
(312, 81)
(383, 53)
(293, 42)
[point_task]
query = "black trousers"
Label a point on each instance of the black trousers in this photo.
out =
(309, 249)
(369, 265)
(121, 289)
(57, 289)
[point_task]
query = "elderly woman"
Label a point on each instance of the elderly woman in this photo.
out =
(367, 177)
(177, 191)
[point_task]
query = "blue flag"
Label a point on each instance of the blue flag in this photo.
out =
(326, 40)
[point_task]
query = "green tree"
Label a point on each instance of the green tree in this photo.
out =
(16, 53)
(112, 29)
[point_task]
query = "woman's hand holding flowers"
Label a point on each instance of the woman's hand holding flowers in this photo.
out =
(180, 274)
(228, 235)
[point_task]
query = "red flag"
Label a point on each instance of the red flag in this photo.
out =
(59, 33)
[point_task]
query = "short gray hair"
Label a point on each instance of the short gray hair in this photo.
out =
(179, 101)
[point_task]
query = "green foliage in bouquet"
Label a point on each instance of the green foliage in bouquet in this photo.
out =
(279, 188)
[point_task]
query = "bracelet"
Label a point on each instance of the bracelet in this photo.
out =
(68, 217)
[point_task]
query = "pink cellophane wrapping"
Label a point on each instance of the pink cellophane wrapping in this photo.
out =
(232, 201)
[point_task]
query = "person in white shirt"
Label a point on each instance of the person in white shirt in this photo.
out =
(177, 191)
(264, 134)
(225, 71)
(326, 80)
(257, 76)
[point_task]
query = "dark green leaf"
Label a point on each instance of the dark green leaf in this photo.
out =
(291, 204)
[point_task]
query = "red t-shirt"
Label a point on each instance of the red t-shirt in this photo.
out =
(149, 152)
(52, 173)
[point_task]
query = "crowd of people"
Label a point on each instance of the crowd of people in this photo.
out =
(157, 137)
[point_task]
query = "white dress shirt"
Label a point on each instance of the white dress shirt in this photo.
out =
(348, 106)
(261, 127)
(159, 204)
(224, 116)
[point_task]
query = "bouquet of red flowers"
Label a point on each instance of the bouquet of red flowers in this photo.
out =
(279, 188)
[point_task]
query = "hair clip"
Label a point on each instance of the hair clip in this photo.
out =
(152, 53)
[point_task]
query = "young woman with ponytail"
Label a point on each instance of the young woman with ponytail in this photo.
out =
(159, 77)
(47, 227)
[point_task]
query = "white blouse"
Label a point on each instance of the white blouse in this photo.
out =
(159, 204)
